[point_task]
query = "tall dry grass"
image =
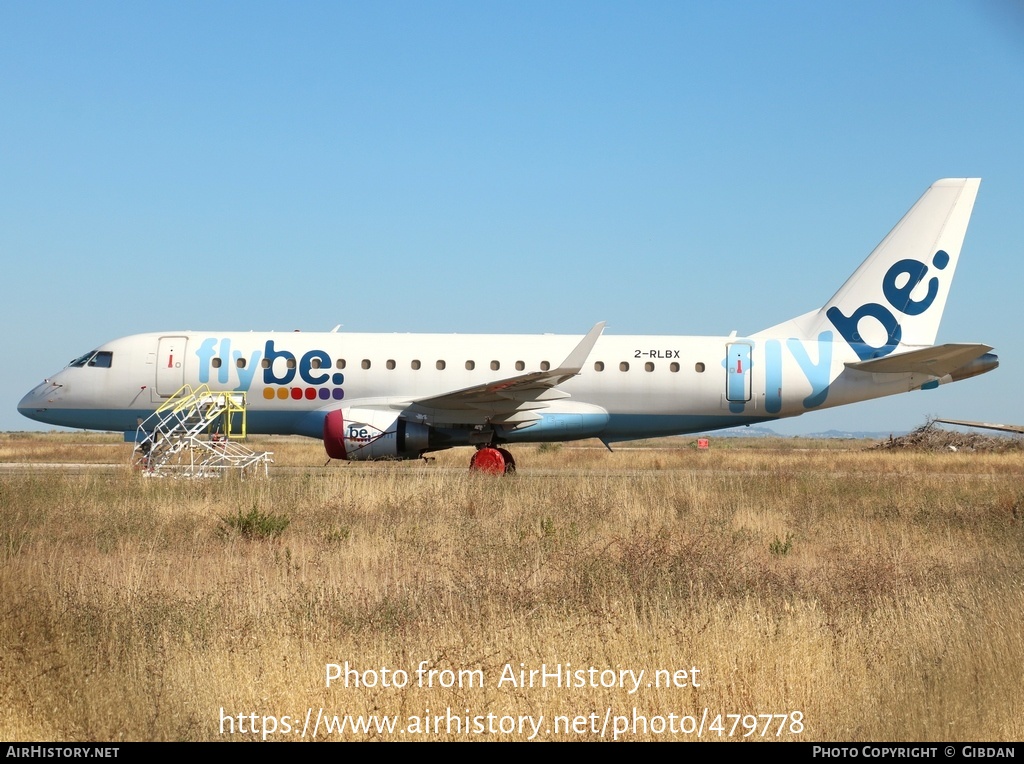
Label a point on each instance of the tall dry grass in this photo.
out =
(878, 594)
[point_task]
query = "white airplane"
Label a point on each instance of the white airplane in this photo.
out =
(1014, 428)
(400, 396)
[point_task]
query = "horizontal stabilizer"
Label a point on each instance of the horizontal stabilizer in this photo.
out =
(936, 361)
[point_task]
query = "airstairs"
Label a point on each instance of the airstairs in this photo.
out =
(195, 433)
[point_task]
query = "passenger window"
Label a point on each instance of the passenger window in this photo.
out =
(314, 363)
(520, 365)
(415, 365)
(624, 366)
(648, 366)
(366, 363)
(215, 363)
(340, 363)
(290, 363)
(470, 365)
(698, 367)
(390, 364)
(495, 365)
(544, 365)
(240, 363)
(265, 363)
(673, 367)
(598, 365)
(440, 365)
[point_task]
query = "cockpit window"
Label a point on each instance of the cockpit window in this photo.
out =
(99, 358)
(102, 359)
(82, 360)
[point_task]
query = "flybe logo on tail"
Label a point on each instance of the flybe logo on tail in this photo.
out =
(898, 284)
(304, 377)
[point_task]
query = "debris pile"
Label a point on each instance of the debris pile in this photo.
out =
(930, 437)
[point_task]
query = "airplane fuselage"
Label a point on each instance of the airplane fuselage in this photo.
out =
(375, 396)
(631, 387)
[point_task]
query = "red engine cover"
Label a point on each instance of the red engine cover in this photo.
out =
(334, 435)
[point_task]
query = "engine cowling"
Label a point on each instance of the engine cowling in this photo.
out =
(362, 434)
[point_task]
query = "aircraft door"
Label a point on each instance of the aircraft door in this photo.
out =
(170, 365)
(737, 383)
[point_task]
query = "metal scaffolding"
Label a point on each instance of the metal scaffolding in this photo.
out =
(195, 433)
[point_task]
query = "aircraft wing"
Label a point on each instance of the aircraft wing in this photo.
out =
(1019, 429)
(510, 400)
(938, 360)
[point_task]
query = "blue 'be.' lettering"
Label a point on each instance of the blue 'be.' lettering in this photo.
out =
(312, 368)
(912, 273)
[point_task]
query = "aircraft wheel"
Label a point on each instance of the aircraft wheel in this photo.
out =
(510, 462)
(489, 461)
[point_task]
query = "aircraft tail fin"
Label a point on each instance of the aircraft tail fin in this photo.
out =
(897, 296)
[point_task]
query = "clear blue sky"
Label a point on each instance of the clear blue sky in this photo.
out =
(669, 167)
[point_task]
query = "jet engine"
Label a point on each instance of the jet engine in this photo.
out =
(363, 434)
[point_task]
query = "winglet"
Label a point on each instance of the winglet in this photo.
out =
(573, 362)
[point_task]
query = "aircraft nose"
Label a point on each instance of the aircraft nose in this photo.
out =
(27, 406)
(35, 402)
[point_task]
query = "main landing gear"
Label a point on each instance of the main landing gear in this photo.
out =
(492, 460)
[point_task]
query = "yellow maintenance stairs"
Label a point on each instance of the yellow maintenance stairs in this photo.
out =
(195, 433)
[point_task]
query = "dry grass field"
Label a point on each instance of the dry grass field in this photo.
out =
(851, 594)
